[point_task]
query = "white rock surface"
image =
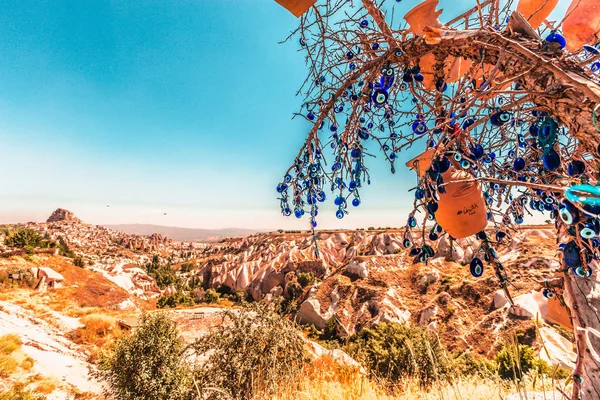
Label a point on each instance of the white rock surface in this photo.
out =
(358, 268)
(310, 314)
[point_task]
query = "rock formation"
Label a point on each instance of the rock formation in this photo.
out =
(62, 215)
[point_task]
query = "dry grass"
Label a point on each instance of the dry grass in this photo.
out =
(325, 379)
(8, 345)
(46, 386)
(98, 331)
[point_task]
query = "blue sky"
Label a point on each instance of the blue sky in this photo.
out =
(158, 106)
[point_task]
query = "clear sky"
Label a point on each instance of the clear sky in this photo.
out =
(158, 106)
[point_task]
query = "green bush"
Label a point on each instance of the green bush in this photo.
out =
(211, 296)
(393, 352)
(24, 239)
(148, 364)
(306, 279)
(293, 291)
(78, 262)
(63, 248)
(515, 361)
(250, 356)
(469, 364)
(179, 298)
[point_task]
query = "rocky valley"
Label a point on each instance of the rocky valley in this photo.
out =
(360, 279)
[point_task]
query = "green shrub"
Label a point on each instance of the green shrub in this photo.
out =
(293, 290)
(250, 356)
(306, 279)
(179, 298)
(469, 364)
(63, 248)
(148, 364)
(393, 352)
(211, 296)
(515, 361)
(78, 262)
(24, 239)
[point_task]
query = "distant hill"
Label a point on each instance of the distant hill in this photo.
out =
(183, 234)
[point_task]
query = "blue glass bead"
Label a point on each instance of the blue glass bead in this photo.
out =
(432, 207)
(547, 293)
(591, 49)
(364, 23)
(477, 151)
(302, 42)
(519, 164)
(595, 66)
(419, 127)
(355, 153)
(356, 202)
(467, 123)
(336, 166)
(314, 212)
(310, 116)
(557, 38)
(339, 214)
(339, 200)
(433, 236)
(415, 251)
(419, 77)
(406, 243)
(412, 222)
(551, 160)
(476, 267)
(587, 231)
(333, 128)
(375, 46)
(441, 85)
(287, 212)
(349, 55)
(457, 157)
(582, 272)
(380, 97)
(576, 168)
(518, 220)
(464, 164)
(408, 78)
(352, 66)
(419, 194)
(298, 212)
(500, 235)
(568, 213)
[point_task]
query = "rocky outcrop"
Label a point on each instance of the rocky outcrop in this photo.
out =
(62, 215)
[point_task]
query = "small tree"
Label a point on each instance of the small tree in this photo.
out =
(148, 364)
(250, 355)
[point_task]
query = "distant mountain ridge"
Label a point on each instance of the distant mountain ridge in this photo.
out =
(183, 234)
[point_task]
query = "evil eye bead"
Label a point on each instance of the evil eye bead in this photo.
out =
(419, 78)
(352, 66)
(571, 255)
(464, 164)
(321, 196)
(406, 243)
(349, 55)
(557, 38)
(587, 231)
(419, 194)
(519, 164)
(591, 49)
(375, 46)
(380, 97)
(419, 127)
(576, 168)
(298, 212)
(355, 153)
(310, 116)
(412, 221)
(433, 236)
(339, 214)
(595, 66)
(551, 160)
(415, 251)
(547, 293)
(457, 157)
(568, 213)
(364, 23)
(476, 267)
(500, 235)
(356, 202)
(432, 207)
(339, 200)
(582, 272)
(398, 53)
(441, 85)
